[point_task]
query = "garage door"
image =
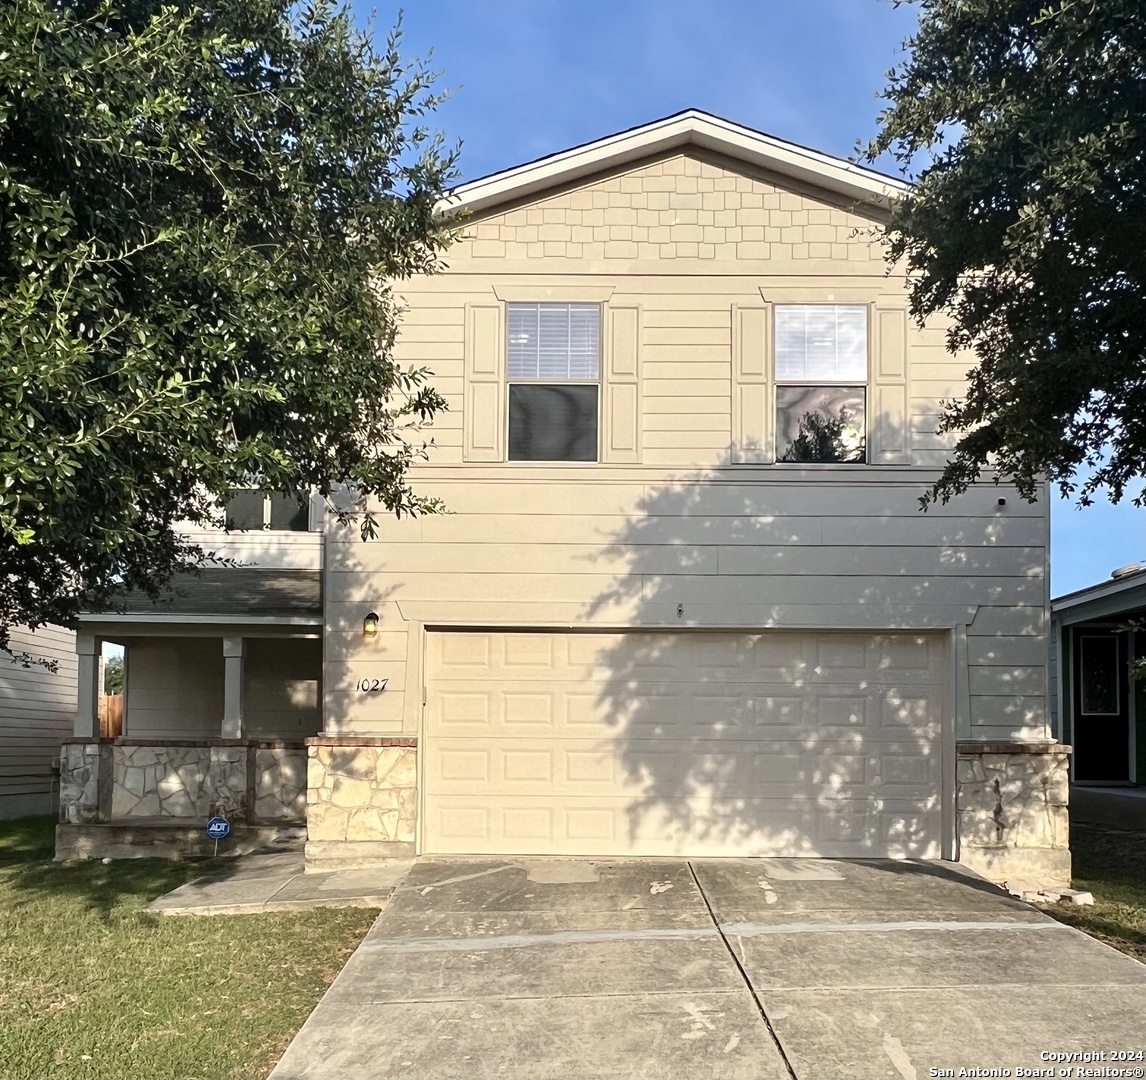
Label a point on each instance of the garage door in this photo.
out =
(683, 744)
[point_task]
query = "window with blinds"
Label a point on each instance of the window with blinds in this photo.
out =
(553, 367)
(821, 382)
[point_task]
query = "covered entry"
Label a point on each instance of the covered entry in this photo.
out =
(689, 743)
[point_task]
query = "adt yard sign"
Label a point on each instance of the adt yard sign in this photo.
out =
(218, 828)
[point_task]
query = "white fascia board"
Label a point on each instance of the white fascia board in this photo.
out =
(691, 128)
(202, 620)
(1110, 591)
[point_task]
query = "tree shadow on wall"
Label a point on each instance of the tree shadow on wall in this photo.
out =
(782, 743)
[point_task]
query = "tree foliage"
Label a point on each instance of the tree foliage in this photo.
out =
(113, 675)
(1026, 123)
(202, 212)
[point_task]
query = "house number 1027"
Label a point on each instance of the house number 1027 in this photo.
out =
(371, 686)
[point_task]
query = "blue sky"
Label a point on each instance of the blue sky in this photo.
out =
(536, 76)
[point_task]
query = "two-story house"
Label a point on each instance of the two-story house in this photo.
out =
(684, 600)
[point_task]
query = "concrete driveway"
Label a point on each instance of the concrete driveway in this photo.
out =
(723, 969)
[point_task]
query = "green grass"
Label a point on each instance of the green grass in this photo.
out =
(91, 987)
(1111, 865)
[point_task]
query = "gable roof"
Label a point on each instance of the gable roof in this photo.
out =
(1111, 597)
(691, 128)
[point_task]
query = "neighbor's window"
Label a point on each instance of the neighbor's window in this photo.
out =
(554, 367)
(254, 510)
(1099, 675)
(821, 382)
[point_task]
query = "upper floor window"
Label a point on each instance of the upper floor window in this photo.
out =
(554, 376)
(254, 510)
(821, 382)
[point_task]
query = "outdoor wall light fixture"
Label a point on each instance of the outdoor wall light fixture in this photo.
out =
(370, 623)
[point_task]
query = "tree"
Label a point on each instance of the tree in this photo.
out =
(1028, 119)
(113, 675)
(202, 212)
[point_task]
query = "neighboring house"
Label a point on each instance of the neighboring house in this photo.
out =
(37, 712)
(685, 601)
(1096, 706)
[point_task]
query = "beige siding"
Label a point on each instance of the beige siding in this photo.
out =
(37, 712)
(175, 688)
(282, 693)
(822, 553)
(694, 529)
(690, 240)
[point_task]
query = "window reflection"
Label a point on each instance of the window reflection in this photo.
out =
(821, 424)
(552, 423)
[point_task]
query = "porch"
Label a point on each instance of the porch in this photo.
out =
(128, 797)
(222, 687)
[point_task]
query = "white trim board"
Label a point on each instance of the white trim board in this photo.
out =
(691, 128)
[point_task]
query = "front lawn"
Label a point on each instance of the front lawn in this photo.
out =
(1111, 865)
(90, 987)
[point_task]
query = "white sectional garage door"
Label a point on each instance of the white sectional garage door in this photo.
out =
(683, 744)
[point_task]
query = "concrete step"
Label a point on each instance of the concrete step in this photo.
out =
(168, 838)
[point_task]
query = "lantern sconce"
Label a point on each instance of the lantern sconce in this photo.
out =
(370, 624)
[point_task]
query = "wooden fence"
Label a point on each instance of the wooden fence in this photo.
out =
(111, 716)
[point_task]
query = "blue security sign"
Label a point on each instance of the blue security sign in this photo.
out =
(218, 828)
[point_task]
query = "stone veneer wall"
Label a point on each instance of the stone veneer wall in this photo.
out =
(81, 770)
(280, 783)
(362, 799)
(1011, 801)
(121, 780)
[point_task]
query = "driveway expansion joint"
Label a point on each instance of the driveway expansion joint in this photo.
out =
(743, 975)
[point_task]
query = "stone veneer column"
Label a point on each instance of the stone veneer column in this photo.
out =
(362, 799)
(85, 782)
(1011, 801)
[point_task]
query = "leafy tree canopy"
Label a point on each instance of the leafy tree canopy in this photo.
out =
(1026, 227)
(201, 210)
(113, 675)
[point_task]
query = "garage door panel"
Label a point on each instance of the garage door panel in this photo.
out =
(529, 651)
(561, 709)
(683, 743)
(648, 769)
(779, 828)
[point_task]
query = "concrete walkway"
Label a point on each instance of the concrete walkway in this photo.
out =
(255, 883)
(569, 970)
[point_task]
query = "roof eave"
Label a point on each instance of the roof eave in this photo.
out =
(663, 136)
(1099, 591)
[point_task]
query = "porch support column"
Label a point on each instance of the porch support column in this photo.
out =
(234, 649)
(88, 649)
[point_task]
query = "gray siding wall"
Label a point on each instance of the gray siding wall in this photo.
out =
(37, 712)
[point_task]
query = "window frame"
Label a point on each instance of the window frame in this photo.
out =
(598, 382)
(1112, 642)
(267, 512)
(776, 382)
